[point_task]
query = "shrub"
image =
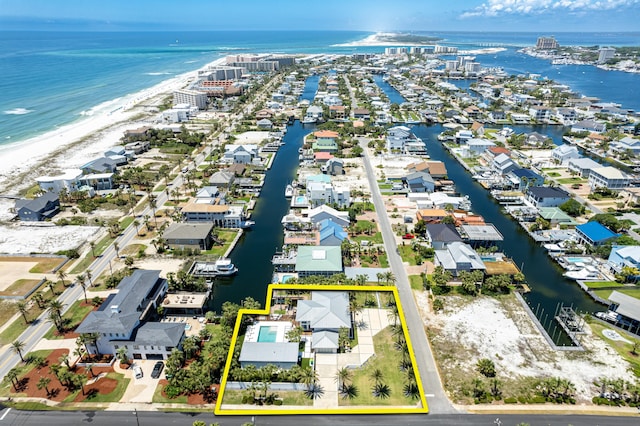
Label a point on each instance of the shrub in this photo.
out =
(510, 400)
(523, 400)
(171, 391)
(538, 399)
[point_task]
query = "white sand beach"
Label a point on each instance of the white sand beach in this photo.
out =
(74, 144)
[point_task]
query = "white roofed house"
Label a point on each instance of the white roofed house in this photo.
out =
(323, 212)
(589, 126)
(608, 177)
(458, 257)
(583, 166)
(67, 180)
(627, 144)
(476, 146)
(564, 153)
(324, 315)
(504, 164)
(398, 137)
(241, 154)
(314, 112)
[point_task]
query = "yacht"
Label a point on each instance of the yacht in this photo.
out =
(224, 267)
(246, 224)
(587, 273)
(288, 191)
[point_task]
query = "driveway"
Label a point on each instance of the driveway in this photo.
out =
(140, 390)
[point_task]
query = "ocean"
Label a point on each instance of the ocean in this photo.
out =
(50, 79)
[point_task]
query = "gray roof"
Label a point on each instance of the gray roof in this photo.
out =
(547, 192)
(627, 305)
(325, 310)
(188, 231)
(486, 232)
(159, 333)
(584, 163)
(324, 340)
(37, 204)
(221, 178)
(443, 232)
(268, 352)
(459, 254)
(132, 291)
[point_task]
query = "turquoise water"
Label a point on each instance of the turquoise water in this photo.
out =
(301, 199)
(286, 278)
(267, 334)
(577, 259)
(488, 258)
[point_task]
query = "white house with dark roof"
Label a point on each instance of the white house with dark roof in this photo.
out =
(545, 196)
(565, 152)
(121, 321)
(590, 126)
(324, 315)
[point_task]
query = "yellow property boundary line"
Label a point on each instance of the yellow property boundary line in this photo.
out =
(306, 409)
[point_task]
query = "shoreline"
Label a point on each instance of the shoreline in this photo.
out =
(58, 148)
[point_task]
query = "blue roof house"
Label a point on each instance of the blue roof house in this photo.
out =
(594, 233)
(331, 233)
(622, 256)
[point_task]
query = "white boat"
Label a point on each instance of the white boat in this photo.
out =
(586, 273)
(288, 191)
(224, 267)
(309, 120)
(245, 224)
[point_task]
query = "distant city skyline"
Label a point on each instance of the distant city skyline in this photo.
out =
(358, 15)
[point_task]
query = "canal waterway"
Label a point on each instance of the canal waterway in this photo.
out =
(548, 286)
(252, 255)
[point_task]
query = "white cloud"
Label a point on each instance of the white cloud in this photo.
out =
(535, 7)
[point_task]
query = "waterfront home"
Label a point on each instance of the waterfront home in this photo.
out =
(222, 179)
(293, 222)
(462, 136)
(536, 139)
(608, 177)
(525, 178)
(68, 180)
(431, 215)
(564, 153)
(458, 257)
(264, 113)
(189, 235)
(264, 124)
(493, 151)
(361, 114)
(333, 167)
(474, 147)
(314, 113)
(41, 208)
(97, 181)
(594, 233)
(497, 115)
(582, 166)
(555, 216)
(477, 128)
(318, 260)
(419, 182)
(208, 193)
(545, 196)
(485, 234)
(122, 321)
(590, 126)
(624, 256)
(324, 315)
(325, 141)
(337, 112)
(322, 157)
(240, 154)
(540, 113)
(325, 193)
(566, 116)
(323, 212)
(627, 144)
(330, 233)
(221, 215)
(398, 137)
(436, 169)
(503, 164)
(439, 235)
(628, 310)
(99, 165)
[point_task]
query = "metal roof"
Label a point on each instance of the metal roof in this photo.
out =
(269, 352)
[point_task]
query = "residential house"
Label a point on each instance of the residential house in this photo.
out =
(330, 233)
(264, 113)
(583, 166)
(122, 321)
(419, 182)
(440, 235)
(566, 116)
(314, 112)
(462, 136)
(608, 177)
(458, 257)
(264, 124)
(536, 139)
(564, 153)
(624, 256)
(436, 169)
(221, 215)
(241, 154)
(99, 165)
(68, 181)
(474, 146)
(283, 355)
(97, 181)
(497, 115)
(480, 234)
(321, 157)
(525, 178)
(189, 235)
(589, 126)
(627, 308)
(337, 111)
(222, 179)
(477, 128)
(324, 315)
(325, 141)
(503, 164)
(540, 113)
(493, 151)
(431, 215)
(323, 212)
(318, 260)
(594, 233)
(555, 216)
(209, 193)
(325, 193)
(361, 114)
(398, 137)
(334, 167)
(41, 208)
(545, 196)
(627, 144)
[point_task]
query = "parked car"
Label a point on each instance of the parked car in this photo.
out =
(408, 236)
(137, 372)
(157, 369)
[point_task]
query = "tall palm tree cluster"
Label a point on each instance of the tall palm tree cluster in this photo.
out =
(618, 391)
(557, 389)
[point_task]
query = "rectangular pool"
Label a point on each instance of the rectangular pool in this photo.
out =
(267, 334)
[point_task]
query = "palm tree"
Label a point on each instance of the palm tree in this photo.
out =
(116, 247)
(92, 244)
(55, 314)
(309, 376)
(51, 285)
(389, 277)
(61, 274)
(381, 390)
(411, 390)
(122, 355)
(80, 380)
(64, 359)
(136, 223)
(343, 377)
(380, 276)
(18, 347)
(89, 276)
(314, 391)
(377, 375)
(43, 383)
(349, 391)
(12, 376)
(90, 368)
(82, 280)
(22, 308)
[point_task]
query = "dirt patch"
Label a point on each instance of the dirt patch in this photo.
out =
(28, 382)
(198, 399)
(102, 386)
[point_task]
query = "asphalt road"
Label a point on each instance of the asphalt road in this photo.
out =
(155, 418)
(436, 397)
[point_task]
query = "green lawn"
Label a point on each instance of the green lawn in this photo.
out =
(159, 398)
(73, 317)
(45, 265)
(384, 261)
(227, 237)
(623, 348)
(602, 284)
(124, 223)
(113, 396)
(20, 287)
(567, 181)
(373, 238)
(407, 254)
(387, 359)
(98, 249)
(385, 186)
(289, 397)
(633, 292)
(416, 282)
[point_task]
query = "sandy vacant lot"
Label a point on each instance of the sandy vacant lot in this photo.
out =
(18, 239)
(501, 330)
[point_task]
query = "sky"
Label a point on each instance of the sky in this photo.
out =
(356, 15)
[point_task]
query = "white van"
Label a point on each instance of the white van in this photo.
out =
(137, 372)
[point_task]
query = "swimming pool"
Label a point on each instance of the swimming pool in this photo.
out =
(301, 199)
(488, 259)
(577, 259)
(187, 327)
(267, 334)
(286, 278)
